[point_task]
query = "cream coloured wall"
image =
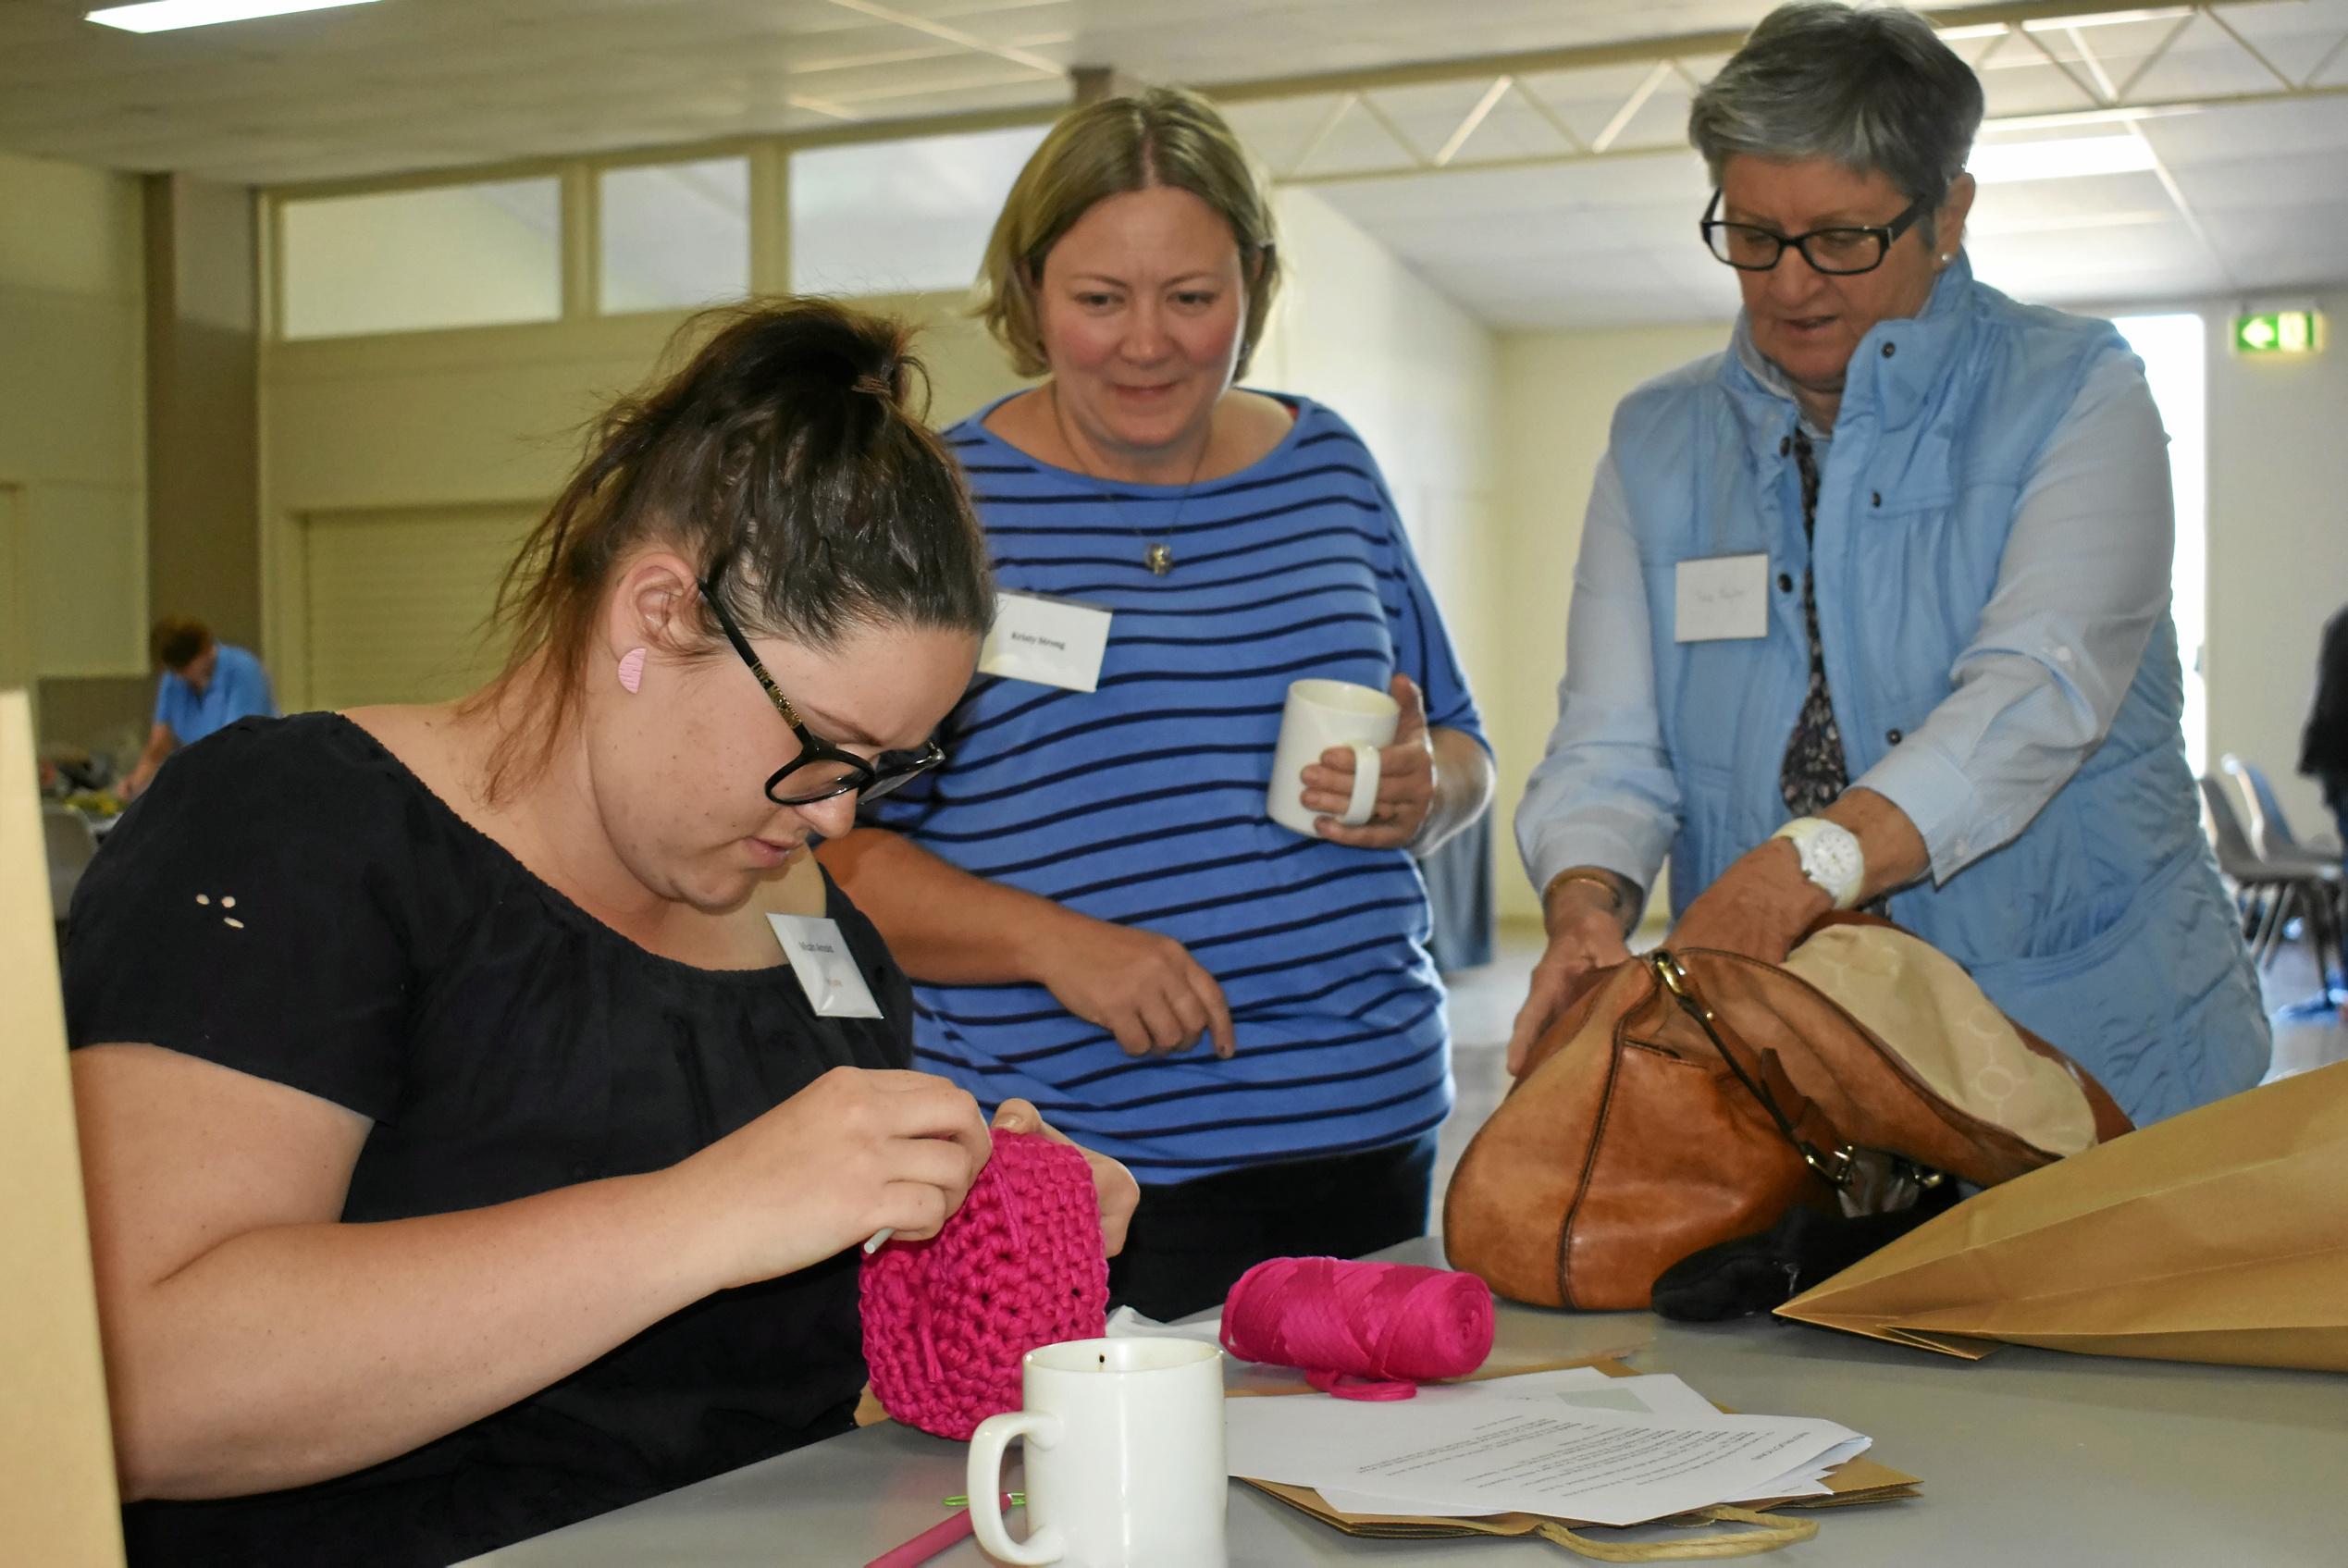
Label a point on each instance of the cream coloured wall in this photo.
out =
(71, 413)
(1557, 392)
(1416, 376)
(484, 417)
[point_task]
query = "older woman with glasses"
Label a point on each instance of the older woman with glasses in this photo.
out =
(1872, 609)
(1093, 895)
(462, 1158)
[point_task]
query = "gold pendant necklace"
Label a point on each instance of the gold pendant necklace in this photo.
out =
(1156, 553)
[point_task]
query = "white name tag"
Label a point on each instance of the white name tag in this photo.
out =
(1721, 598)
(827, 970)
(1053, 642)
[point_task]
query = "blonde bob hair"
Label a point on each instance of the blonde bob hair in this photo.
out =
(1162, 136)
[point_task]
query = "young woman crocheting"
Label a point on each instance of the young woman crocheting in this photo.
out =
(462, 1159)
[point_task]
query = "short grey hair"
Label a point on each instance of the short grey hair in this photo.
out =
(1872, 88)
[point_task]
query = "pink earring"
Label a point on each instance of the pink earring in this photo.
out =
(631, 670)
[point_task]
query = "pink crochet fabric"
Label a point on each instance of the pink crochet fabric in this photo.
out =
(1019, 1266)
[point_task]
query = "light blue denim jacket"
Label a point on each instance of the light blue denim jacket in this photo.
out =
(1994, 534)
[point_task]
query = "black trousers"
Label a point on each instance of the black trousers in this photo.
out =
(1191, 1240)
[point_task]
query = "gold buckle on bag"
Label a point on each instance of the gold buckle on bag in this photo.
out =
(1836, 1169)
(1674, 978)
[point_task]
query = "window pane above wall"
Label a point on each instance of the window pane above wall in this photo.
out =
(676, 235)
(405, 261)
(886, 217)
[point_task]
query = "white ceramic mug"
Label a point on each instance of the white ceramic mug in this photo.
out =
(1321, 714)
(1125, 1464)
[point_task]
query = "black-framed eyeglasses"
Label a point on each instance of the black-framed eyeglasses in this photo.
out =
(821, 770)
(1841, 252)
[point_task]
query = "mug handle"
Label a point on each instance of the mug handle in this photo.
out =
(984, 1480)
(1364, 797)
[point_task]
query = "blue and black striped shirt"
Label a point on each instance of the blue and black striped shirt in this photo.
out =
(1143, 802)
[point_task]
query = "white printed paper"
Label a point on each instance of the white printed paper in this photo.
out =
(1490, 1452)
(1720, 599)
(1580, 1387)
(1658, 1393)
(1053, 642)
(825, 968)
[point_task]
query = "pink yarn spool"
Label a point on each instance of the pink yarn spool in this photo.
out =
(1393, 1325)
(1020, 1265)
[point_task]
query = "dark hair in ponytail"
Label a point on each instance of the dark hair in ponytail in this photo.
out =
(791, 445)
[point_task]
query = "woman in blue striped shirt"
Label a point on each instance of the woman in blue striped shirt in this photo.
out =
(1091, 891)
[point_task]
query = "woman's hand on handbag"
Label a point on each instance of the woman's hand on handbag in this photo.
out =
(1585, 938)
(1112, 1183)
(1760, 906)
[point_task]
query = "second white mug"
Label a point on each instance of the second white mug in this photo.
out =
(1125, 1465)
(1320, 714)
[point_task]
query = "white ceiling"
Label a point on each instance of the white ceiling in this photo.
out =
(2249, 199)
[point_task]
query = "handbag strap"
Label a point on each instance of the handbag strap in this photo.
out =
(1834, 1168)
(1769, 1532)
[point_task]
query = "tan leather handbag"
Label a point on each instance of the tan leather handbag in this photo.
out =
(1693, 1097)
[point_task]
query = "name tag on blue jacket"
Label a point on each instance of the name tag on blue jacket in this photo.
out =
(1720, 599)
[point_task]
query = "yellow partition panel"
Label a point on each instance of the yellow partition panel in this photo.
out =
(57, 1500)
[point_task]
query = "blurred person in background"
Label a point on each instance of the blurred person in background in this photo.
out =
(208, 684)
(2323, 746)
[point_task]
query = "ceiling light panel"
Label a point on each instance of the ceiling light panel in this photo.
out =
(167, 15)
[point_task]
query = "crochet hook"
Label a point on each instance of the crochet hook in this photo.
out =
(883, 1234)
(932, 1541)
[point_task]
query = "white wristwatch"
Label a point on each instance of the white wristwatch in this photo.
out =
(1830, 857)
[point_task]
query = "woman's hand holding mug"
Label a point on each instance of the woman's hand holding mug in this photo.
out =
(1402, 777)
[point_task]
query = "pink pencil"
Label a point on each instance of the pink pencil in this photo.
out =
(929, 1542)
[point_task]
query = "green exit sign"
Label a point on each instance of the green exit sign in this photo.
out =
(2278, 332)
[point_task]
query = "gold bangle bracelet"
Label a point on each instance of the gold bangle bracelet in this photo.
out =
(1600, 879)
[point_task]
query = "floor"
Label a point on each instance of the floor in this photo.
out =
(1484, 1003)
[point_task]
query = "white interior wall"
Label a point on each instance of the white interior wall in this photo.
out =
(2278, 544)
(73, 419)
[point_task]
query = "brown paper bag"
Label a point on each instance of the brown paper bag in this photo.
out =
(2221, 1235)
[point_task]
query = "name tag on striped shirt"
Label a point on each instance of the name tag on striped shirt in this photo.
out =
(1720, 599)
(1053, 642)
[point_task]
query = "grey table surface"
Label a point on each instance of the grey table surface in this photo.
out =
(2028, 1458)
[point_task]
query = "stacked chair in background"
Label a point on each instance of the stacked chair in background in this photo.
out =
(2276, 876)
